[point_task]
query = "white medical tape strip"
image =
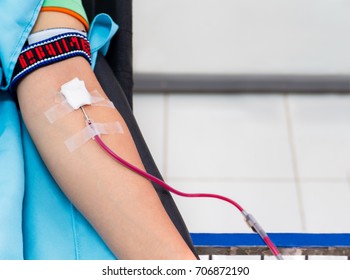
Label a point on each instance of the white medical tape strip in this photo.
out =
(58, 111)
(59, 98)
(90, 132)
(63, 108)
(95, 97)
(104, 103)
(98, 100)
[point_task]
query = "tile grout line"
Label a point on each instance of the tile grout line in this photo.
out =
(166, 135)
(294, 160)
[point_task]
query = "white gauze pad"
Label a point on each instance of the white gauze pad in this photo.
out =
(76, 93)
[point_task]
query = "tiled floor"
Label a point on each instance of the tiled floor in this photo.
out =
(285, 158)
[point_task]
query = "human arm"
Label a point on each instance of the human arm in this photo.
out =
(122, 207)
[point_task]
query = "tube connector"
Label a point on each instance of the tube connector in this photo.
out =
(255, 226)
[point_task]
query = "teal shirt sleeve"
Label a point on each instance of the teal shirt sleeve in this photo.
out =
(15, 26)
(73, 5)
(20, 22)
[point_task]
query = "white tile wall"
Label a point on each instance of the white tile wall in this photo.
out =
(326, 206)
(228, 136)
(284, 158)
(322, 135)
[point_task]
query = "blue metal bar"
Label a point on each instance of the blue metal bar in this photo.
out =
(280, 239)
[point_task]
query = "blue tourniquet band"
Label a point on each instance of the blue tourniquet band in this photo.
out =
(50, 51)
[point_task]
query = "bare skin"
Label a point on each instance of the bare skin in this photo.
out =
(123, 207)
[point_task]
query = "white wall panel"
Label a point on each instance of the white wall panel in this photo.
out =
(242, 36)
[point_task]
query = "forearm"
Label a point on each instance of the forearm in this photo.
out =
(123, 207)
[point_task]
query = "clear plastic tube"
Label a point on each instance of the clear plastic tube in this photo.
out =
(250, 220)
(254, 225)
